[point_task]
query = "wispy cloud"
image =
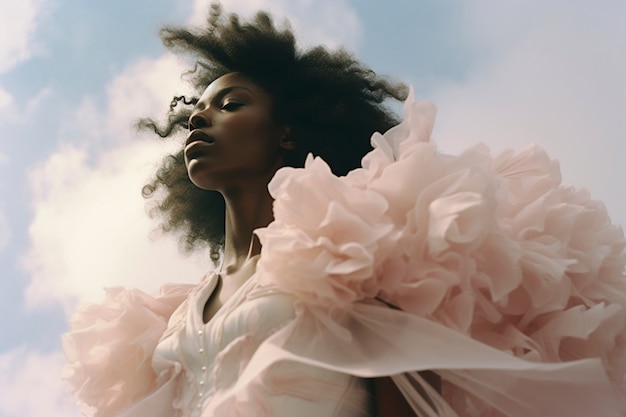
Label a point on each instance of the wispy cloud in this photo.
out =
(30, 385)
(16, 111)
(329, 22)
(18, 24)
(144, 88)
(5, 100)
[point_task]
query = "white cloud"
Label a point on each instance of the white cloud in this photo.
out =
(144, 88)
(90, 228)
(17, 112)
(87, 125)
(34, 103)
(30, 385)
(6, 100)
(7, 107)
(330, 22)
(18, 24)
(555, 75)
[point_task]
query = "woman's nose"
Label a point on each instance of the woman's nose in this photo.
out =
(199, 119)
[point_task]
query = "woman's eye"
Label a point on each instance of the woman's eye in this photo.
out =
(231, 105)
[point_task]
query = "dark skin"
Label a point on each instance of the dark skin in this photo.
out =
(235, 148)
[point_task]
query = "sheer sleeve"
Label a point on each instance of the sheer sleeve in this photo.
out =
(109, 347)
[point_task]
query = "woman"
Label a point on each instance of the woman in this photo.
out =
(323, 281)
(261, 105)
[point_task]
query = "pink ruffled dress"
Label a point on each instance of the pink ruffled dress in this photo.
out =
(194, 362)
(480, 267)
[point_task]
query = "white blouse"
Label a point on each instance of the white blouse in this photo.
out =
(212, 355)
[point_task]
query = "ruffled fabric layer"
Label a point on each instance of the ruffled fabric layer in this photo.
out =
(526, 273)
(110, 346)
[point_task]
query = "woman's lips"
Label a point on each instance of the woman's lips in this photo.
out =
(198, 135)
(197, 144)
(197, 149)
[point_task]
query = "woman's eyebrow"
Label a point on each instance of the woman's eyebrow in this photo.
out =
(224, 91)
(221, 93)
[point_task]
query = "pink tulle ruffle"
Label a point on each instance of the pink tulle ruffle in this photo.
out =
(492, 246)
(109, 347)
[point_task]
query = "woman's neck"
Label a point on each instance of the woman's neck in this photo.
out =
(245, 212)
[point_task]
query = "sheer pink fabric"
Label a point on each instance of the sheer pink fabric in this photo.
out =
(512, 285)
(109, 349)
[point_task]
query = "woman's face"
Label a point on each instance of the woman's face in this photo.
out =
(233, 139)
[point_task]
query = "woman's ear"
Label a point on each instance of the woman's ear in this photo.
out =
(287, 141)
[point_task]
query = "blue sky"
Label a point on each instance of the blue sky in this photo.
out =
(74, 75)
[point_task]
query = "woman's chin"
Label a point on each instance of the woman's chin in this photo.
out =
(200, 177)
